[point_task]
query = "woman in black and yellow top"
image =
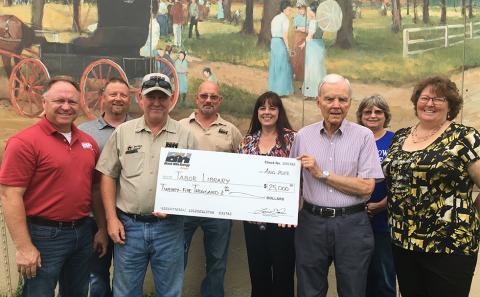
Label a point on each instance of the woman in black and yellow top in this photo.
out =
(430, 171)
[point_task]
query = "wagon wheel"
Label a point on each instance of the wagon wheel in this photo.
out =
(163, 66)
(27, 85)
(94, 78)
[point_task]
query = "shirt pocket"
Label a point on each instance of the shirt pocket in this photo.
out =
(133, 164)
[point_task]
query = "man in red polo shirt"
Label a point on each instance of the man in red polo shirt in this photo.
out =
(45, 187)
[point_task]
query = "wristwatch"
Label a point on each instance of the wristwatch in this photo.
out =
(325, 175)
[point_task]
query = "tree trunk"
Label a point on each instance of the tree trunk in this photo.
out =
(415, 15)
(227, 10)
(463, 7)
(470, 9)
(408, 7)
(396, 16)
(247, 27)
(443, 13)
(270, 9)
(7, 2)
(426, 8)
(345, 38)
(37, 14)
(76, 16)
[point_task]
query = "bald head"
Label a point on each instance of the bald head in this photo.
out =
(208, 84)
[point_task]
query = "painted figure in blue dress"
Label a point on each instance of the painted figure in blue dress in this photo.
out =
(220, 14)
(181, 66)
(280, 77)
(314, 55)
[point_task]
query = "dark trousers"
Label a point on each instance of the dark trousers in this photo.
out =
(271, 260)
(381, 281)
(347, 241)
(193, 22)
(433, 275)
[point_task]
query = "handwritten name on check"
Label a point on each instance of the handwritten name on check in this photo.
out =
(228, 186)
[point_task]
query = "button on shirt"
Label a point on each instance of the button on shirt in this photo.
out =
(132, 154)
(99, 129)
(279, 25)
(221, 136)
(350, 152)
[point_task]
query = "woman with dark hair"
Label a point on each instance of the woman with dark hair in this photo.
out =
(430, 171)
(270, 248)
(280, 76)
(181, 66)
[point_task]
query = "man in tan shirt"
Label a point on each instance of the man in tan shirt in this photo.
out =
(213, 134)
(129, 167)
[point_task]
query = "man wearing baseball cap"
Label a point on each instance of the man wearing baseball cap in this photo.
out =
(129, 167)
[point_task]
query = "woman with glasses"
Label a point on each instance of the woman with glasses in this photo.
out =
(430, 171)
(181, 66)
(270, 248)
(374, 113)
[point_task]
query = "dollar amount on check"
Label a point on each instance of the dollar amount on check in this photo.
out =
(228, 186)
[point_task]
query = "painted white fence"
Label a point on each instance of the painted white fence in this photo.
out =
(472, 31)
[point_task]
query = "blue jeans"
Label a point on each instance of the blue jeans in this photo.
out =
(216, 237)
(381, 280)
(62, 250)
(100, 271)
(161, 244)
(162, 20)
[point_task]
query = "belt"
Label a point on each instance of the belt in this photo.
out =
(59, 224)
(141, 218)
(332, 212)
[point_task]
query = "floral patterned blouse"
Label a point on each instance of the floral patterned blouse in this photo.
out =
(430, 203)
(249, 145)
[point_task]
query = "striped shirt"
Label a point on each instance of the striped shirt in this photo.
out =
(350, 152)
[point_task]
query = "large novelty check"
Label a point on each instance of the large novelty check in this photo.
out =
(228, 186)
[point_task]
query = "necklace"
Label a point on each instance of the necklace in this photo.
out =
(417, 139)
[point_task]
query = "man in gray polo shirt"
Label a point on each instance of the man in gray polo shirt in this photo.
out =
(340, 166)
(115, 99)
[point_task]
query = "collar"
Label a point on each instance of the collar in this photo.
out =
(49, 129)
(341, 129)
(218, 121)
(102, 124)
(142, 126)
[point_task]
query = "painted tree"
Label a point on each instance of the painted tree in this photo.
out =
(345, 37)
(426, 11)
(415, 14)
(76, 16)
(227, 9)
(270, 9)
(396, 16)
(37, 14)
(470, 9)
(7, 2)
(463, 7)
(247, 27)
(443, 12)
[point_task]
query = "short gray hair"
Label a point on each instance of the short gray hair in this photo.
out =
(377, 101)
(334, 78)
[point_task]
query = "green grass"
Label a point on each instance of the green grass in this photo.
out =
(236, 102)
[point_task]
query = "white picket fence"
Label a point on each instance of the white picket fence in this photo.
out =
(472, 31)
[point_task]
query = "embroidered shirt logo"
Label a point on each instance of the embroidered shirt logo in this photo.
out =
(87, 145)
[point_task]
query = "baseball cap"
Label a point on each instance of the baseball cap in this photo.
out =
(156, 82)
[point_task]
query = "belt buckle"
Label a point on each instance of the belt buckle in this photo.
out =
(328, 212)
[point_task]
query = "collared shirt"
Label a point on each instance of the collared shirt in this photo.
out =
(279, 25)
(350, 152)
(99, 129)
(221, 136)
(57, 175)
(177, 13)
(131, 155)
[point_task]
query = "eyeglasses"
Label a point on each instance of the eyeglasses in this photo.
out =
(205, 96)
(157, 81)
(377, 112)
(436, 100)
